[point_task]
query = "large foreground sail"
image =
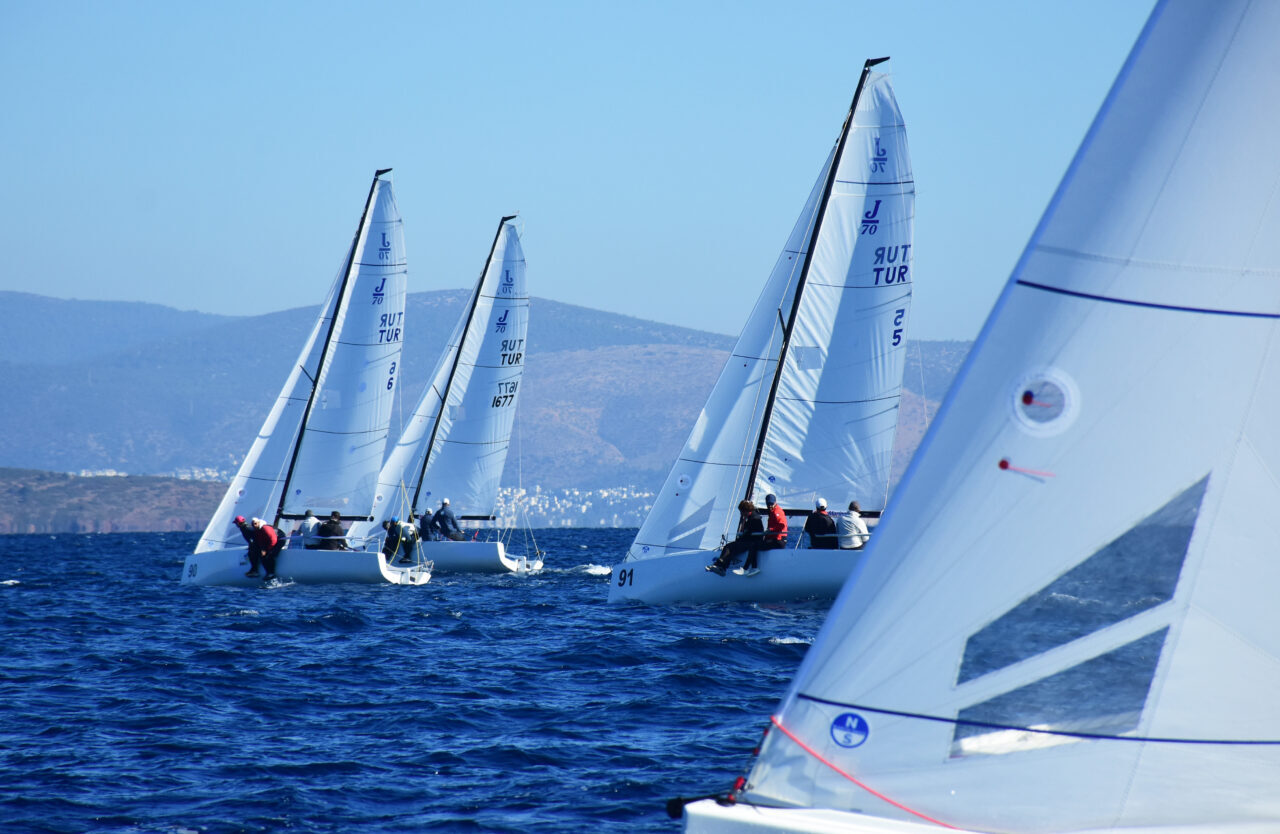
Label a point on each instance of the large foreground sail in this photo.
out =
(1067, 620)
(807, 403)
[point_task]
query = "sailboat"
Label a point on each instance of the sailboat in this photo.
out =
(1067, 619)
(806, 406)
(455, 445)
(322, 443)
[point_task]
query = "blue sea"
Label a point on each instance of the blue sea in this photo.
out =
(132, 703)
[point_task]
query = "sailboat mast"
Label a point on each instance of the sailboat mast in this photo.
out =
(328, 340)
(804, 272)
(457, 357)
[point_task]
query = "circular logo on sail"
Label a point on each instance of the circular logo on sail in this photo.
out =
(850, 730)
(1045, 402)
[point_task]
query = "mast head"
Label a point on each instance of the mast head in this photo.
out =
(871, 62)
(380, 172)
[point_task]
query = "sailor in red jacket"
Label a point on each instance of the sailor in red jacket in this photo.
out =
(263, 547)
(775, 535)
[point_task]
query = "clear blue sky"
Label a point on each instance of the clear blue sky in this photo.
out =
(215, 156)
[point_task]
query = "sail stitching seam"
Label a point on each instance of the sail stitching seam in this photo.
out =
(993, 726)
(1151, 304)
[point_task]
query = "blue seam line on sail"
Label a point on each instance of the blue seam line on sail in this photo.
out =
(711, 462)
(864, 287)
(1151, 304)
(838, 402)
(1100, 736)
(447, 441)
(857, 182)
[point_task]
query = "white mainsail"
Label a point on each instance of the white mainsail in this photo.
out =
(1067, 619)
(323, 441)
(458, 452)
(835, 310)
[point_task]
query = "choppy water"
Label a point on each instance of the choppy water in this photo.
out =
(129, 702)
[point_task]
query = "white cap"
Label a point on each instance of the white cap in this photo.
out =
(822, 503)
(444, 500)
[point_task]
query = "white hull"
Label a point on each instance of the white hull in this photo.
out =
(709, 817)
(475, 557)
(307, 567)
(785, 574)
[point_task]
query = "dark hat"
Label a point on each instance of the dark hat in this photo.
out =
(335, 515)
(770, 499)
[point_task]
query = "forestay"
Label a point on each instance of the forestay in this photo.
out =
(829, 425)
(478, 378)
(1067, 619)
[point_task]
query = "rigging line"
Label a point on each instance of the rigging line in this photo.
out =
(1068, 733)
(853, 779)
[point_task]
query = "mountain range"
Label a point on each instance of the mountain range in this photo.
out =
(142, 389)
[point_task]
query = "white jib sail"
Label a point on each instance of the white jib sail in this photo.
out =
(480, 374)
(832, 424)
(835, 413)
(1067, 618)
(342, 444)
(255, 489)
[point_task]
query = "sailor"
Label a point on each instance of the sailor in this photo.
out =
(332, 536)
(401, 538)
(853, 530)
(821, 527)
(750, 534)
(446, 523)
(245, 529)
(265, 546)
(310, 530)
(775, 536)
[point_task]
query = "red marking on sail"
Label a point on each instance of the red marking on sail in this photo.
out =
(851, 778)
(1009, 467)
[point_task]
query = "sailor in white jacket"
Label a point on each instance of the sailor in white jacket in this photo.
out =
(851, 529)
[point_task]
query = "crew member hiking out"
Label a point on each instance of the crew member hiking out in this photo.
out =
(446, 523)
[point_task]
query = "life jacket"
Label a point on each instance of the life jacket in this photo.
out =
(777, 525)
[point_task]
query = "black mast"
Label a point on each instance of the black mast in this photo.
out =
(324, 351)
(457, 356)
(804, 272)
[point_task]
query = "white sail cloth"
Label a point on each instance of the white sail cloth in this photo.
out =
(1067, 618)
(479, 375)
(831, 428)
(353, 356)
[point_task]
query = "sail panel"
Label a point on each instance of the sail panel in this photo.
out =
(833, 423)
(255, 489)
(400, 474)
(474, 436)
(696, 507)
(1129, 358)
(342, 446)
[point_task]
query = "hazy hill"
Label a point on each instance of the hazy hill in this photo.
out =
(136, 388)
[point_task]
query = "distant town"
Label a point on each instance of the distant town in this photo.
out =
(517, 506)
